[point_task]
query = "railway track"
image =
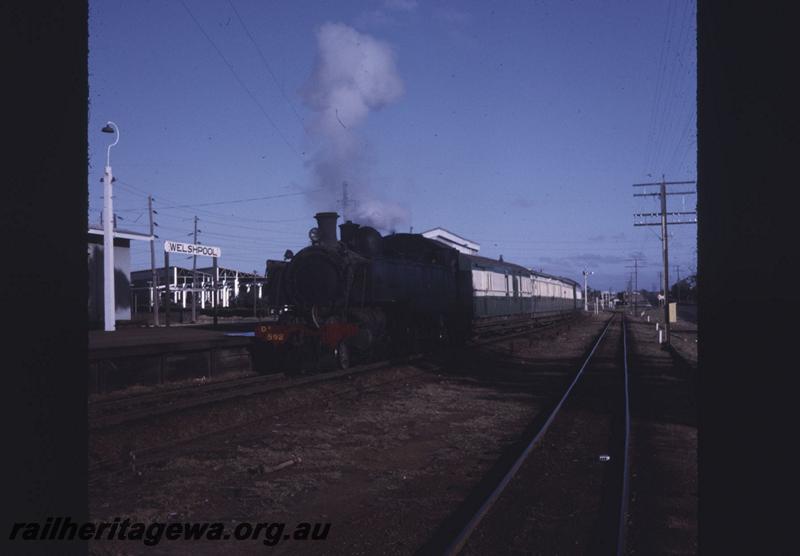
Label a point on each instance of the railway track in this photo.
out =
(161, 452)
(143, 406)
(108, 413)
(608, 532)
(126, 410)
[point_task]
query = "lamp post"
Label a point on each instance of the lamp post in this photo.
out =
(586, 290)
(109, 302)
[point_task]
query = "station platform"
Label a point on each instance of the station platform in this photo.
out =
(131, 342)
(155, 355)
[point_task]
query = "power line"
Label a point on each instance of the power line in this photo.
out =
(636, 283)
(187, 208)
(239, 79)
(663, 138)
(685, 135)
(267, 66)
(666, 101)
(677, 80)
(265, 230)
(659, 85)
(234, 201)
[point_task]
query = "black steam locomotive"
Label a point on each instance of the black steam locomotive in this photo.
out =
(365, 293)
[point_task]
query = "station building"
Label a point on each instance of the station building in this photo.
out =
(455, 241)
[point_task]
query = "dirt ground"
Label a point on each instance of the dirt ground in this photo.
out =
(683, 333)
(385, 456)
(664, 482)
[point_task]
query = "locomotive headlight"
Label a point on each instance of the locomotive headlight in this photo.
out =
(313, 235)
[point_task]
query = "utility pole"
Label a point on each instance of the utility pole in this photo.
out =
(255, 313)
(663, 214)
(635, 294)
(215, 284)
(346, 202)
(629, 290)
(586, 289)
(194, 276)
(665, 253)
(678, 283)
(153, 272)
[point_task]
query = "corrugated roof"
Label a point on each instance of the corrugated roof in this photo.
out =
(505, 264)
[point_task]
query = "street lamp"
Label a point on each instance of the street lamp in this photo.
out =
(586, 290)
(109, 302)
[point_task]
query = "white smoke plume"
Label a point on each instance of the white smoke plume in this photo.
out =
(354, 74)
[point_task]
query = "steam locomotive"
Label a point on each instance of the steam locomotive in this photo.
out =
(363, 293)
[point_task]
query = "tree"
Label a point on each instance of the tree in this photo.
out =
(685, 290)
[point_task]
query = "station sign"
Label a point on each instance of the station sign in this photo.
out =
(191, 249)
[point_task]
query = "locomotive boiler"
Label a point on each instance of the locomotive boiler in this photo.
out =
(361, 293)
(357, 294)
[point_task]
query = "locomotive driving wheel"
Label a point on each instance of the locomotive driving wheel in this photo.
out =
(342, 356)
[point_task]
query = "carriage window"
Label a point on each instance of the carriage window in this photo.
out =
(480, 280)
(498, 282)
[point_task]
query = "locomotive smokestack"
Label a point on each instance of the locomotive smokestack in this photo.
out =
(326, 223)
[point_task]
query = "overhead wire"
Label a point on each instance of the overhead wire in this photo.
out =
(234, 201)
(267, 66)
(240, 81)
(666, 95)
(192, 209)
(664, 91)
(677, 90)
(656, 98)
(686, 138)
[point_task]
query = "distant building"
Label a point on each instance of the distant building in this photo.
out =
(231, 283)
(122, 273)
(452, 240)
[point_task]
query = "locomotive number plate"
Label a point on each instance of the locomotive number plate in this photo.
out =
(270, 336)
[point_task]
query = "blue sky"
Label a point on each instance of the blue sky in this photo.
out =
(520, 125)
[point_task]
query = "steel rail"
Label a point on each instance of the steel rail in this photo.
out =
(622, 527)
(239, 391)
(176, 389)
(156, 453)
(104, 413)
(489, 339)
(610, 529)
(455, 546)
